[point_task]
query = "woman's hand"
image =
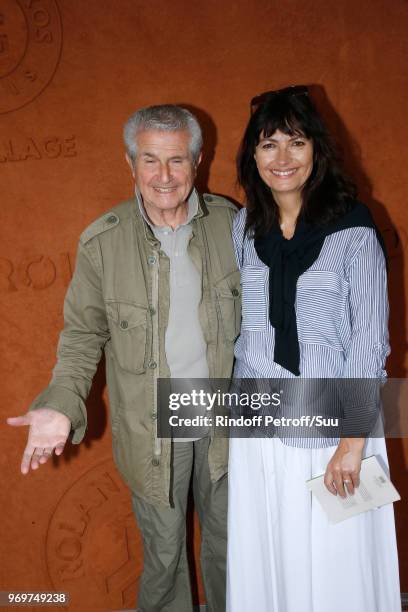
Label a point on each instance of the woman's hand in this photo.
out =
(344, 467)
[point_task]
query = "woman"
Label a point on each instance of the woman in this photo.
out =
(314, 306)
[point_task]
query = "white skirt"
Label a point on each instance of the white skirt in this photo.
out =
(284, 555)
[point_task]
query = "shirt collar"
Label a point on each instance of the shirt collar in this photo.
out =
(193, 209)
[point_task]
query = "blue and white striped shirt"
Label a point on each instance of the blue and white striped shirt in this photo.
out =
(341, 312)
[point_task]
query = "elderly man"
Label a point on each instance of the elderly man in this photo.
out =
(156, 288)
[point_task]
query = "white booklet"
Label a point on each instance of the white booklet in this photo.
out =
(375, 490)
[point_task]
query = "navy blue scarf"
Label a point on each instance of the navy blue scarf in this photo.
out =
(287, 260)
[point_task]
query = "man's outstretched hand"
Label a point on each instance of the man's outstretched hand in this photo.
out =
(49, 431)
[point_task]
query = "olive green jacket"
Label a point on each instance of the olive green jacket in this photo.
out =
(118, 301)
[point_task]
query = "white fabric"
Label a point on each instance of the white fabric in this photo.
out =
(284, 555)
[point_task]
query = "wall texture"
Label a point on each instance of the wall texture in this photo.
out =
(70, 73)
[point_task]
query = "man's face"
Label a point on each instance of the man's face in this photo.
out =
(163, 170)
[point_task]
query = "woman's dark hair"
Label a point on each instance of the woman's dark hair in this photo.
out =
(327, 192)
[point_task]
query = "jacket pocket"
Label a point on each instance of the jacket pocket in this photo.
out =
(128, 326)
(228, 303)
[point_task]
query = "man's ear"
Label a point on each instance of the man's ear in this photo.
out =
(198, 162)
(130, 164)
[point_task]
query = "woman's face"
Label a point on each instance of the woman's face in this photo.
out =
(284, 162)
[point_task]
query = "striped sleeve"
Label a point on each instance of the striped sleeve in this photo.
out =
(238, 230)
(368, 302)
(368, 346)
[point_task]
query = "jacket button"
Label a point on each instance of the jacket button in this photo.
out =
(156, 461)
(154, 416)
(235, 292)
(151, 260)
(124, 324)
(152, 310)
(152, 364)
(111, 219)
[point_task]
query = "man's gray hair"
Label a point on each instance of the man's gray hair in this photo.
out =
(167, 117)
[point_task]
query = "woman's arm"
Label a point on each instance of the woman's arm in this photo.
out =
(368, 303)
(238, 229)
(365, 357)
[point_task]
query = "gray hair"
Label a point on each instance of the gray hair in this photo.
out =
(166, 117)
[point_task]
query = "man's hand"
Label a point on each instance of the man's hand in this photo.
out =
(49, 430)
(344, 467)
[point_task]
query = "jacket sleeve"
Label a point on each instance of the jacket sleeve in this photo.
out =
(80, 344)
(369, 345)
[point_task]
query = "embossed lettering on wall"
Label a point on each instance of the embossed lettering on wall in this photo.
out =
(30, 50)
(93, 548)
(37, 272)
(23, 149)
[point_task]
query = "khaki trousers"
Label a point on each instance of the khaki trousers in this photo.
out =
(165, 582)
